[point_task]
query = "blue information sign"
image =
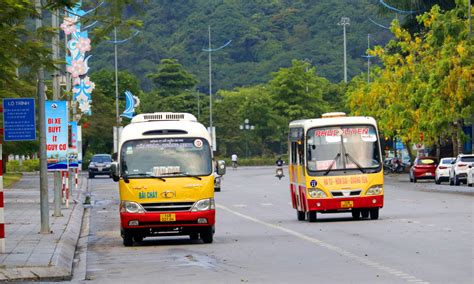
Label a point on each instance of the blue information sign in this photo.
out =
(19, 119)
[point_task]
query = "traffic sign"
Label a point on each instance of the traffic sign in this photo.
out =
(19, 119)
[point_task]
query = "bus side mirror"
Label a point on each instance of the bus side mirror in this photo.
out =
(221, 167)
(114, 169)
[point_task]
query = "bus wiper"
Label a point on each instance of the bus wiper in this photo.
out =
(354, 161)
(184, 174)
(332, 164)
(143, 175)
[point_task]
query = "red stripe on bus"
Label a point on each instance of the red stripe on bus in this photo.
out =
(2, 231)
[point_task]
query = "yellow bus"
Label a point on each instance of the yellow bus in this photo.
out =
(335, 166)
(165, 172)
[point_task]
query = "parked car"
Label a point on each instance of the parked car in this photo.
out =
(470, 176)
(459, 169)
(423, 168)
(100, 165)
(442, 171)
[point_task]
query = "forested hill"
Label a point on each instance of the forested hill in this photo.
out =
(265, 34)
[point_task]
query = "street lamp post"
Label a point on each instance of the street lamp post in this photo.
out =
(210, 50)
(117, 115)
(246, 126)
(345, 21)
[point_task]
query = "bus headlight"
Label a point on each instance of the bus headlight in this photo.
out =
(203, 205)
(374, 190)
(316, 193)
(131, 207)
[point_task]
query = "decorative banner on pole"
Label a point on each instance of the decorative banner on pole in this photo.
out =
(77, 62)
(56, 117)
(131, 102)
(73, 149)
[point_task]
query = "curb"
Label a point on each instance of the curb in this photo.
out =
(60, 267)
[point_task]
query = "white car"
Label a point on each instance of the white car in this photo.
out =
(458, 172)
(470, 176)
(442, 171)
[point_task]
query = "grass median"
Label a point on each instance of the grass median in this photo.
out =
(10, 178)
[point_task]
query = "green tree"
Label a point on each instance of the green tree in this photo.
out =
(171, 78)
(426, 87)
(297, 92)
(97, 129)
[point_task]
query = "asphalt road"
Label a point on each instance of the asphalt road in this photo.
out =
(424, 235)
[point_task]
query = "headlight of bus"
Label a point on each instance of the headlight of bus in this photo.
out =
(316, 193)
(203, 205)
(374, 190)
(131, 207)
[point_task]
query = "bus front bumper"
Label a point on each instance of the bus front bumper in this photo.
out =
(167, 219)
(344, 204)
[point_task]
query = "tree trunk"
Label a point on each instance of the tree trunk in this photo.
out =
(459, 132)
(455, 145)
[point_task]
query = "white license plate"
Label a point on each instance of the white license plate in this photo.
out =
(427, 174)
(99, 169)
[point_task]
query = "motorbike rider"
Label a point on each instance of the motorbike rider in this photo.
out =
(279, 171)
(234, 160)
(279, 162)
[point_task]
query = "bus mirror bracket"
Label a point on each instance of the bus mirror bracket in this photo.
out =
(114, 170)
(221, 167)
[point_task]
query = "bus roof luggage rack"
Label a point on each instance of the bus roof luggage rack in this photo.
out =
(163, 116)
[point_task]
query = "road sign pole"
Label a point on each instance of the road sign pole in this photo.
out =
(2, 213)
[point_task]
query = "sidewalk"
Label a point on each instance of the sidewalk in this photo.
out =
(30, 255)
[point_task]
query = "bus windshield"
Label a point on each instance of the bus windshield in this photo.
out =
(343, 149)
(166, 157)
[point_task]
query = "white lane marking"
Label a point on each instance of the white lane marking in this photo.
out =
(239, 205)
(266, 204)
(334, 248)
(102, 211)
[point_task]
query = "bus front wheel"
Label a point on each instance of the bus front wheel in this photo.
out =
(127, 238)
(300, 215)
(364, 213)
(207, 235)
(312, 216)
(356, 214)
(374, 213)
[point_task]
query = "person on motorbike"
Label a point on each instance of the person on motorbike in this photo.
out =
(279, 171)
(279, 162)
(234, 160)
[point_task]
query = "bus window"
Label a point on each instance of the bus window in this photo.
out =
(342, 148)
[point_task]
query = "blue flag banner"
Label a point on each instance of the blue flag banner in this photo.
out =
(56, 117)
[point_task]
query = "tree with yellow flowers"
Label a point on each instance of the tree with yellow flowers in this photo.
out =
(425, 86)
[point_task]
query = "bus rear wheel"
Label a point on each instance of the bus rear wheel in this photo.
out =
(300, 215)
(312, 216)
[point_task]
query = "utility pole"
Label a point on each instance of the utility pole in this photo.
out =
(44, 200)
(56, 95)
(345, 21)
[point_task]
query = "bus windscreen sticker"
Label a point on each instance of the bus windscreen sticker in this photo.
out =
(198, 143)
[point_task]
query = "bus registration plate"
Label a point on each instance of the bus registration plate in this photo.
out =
(167, 217)
(347, 204)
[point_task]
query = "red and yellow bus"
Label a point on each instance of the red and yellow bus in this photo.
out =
(335, 166)
(165, 174)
